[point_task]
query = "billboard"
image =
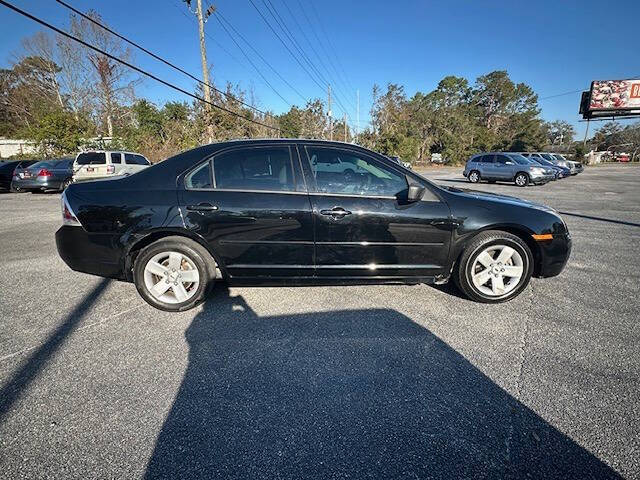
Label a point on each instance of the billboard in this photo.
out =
(613, 98)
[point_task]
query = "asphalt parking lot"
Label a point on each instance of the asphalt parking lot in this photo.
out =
(328, 382)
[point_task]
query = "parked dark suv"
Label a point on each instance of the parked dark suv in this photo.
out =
(278, 211)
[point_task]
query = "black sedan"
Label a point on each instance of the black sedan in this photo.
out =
(257, 212)
(55, 174)
(9, 168)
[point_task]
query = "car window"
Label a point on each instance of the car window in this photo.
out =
(42, 165)
(503, 159)
(142, 160)
(262, 168)
(519, 159)
(133, 159)
(346, 172)
(486, 159)
(200, 177)
(116, 157)
(91, 158)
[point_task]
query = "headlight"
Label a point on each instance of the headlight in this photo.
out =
(537, 170)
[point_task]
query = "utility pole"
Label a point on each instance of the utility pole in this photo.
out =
(357, 113)
(329, 113)
(202, 19)
(586, 133)
(344, 120)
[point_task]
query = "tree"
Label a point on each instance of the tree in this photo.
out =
(113, 81)
(59, 132)
(559, 132)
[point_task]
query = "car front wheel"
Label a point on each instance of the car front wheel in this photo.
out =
(522, 180)
(474, 176)
(495, 267)
(173, 274)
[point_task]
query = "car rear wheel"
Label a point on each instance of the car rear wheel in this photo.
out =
(474, 176)
(495, 267)
(174, 274)
(522, 180)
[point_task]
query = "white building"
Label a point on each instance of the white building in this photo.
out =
(10, 147)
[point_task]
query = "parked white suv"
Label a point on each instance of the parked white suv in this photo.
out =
(95, 164)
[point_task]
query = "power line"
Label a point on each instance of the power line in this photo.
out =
(166, 62)
(285, 29)
(278, 19)
(283, 25)
(331, 47)
(285, 45)
(251, 62)
(290, 51)
(322, 64)
(129, 65)
(260, 56)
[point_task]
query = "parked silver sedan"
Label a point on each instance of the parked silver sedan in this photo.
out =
(54, 174)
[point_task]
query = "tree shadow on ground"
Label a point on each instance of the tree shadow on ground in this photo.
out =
(347, 394)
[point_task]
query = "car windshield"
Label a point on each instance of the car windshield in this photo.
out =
(560, 157)
(543, 161)
(548, 156)
(91, 158)
(519, 159)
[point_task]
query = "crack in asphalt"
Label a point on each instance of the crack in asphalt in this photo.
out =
(523, 347)
(84, 327)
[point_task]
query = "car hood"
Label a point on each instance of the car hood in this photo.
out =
(498, 198)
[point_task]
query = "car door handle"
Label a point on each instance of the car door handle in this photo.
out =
(202, 207)
(336, 212)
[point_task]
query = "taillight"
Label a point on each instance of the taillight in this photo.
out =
(44, 173)
(68, 216)
(111, 168)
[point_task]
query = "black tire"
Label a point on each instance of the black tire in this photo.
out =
(195, 252)
(521, 179)
(474, 176)
(462, 273)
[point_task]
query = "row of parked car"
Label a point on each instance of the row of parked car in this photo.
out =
(521, 168)
(57, 173)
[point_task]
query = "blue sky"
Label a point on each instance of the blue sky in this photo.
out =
(554, 46)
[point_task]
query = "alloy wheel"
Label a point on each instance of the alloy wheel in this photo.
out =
(497, 270)
(521, 180)
(171, 277)
(474, 177)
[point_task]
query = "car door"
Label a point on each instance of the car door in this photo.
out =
(364, 229)
(504, 167)
(487, 166)
(250, 204)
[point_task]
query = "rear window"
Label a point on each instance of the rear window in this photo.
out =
(486, 159)
(91, 158)
(116, 157)
(43, 165)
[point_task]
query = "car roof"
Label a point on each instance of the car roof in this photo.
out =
(167, 170)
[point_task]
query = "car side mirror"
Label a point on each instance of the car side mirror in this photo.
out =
(415, 192)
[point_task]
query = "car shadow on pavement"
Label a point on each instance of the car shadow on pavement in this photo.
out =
(346, 394)
(31, 367)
